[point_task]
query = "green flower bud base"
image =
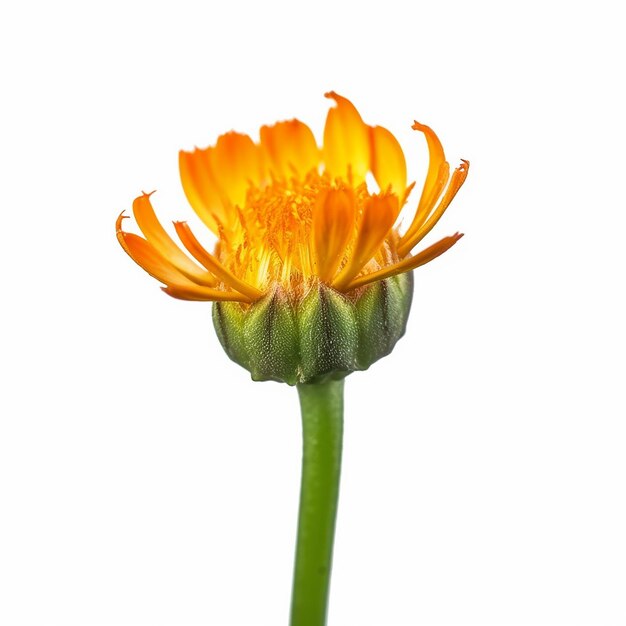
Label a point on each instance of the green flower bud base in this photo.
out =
(324, 336)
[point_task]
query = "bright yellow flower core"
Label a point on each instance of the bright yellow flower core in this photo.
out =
(289, 214)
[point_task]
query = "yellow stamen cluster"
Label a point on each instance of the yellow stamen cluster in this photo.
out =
(297, 231)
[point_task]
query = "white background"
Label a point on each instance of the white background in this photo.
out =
(144, 480)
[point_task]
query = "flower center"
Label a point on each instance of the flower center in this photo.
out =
(271, 240)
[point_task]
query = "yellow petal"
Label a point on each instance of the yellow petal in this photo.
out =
(290, 148)
(346, 149)
(333, 226)
(387, 161)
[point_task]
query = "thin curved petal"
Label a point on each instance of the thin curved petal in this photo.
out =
(387, 161)
(456, 181)
(212, 264)
(333, 226)
(346, 150)
(203, 294)
(436, 178)
(164, 244)
(379, 214)
(408, 264)
(290, 148)
(148, 258)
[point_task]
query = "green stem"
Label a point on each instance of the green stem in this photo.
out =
(322, 434)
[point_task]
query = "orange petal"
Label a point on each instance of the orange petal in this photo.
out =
(379, 214)
(147, 257)
(388, 162)
(235, 162)
(346, 149)
(200, 187)
(194, 292)
(436, 178)
(212, 264)
(290, 148)
(164, 244)
(333, 225)
(410, 263)
(457, 180)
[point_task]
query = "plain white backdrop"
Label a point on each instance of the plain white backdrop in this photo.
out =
(145, 480)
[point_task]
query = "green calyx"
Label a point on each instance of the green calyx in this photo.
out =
(326, 335)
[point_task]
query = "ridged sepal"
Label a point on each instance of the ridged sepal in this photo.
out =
(327, 334)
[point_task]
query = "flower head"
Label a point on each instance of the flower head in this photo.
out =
(292, 218)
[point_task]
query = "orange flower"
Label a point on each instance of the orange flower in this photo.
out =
(289, 214)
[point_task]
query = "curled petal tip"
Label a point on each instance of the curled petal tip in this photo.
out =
(118, 222)
(333, 95)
